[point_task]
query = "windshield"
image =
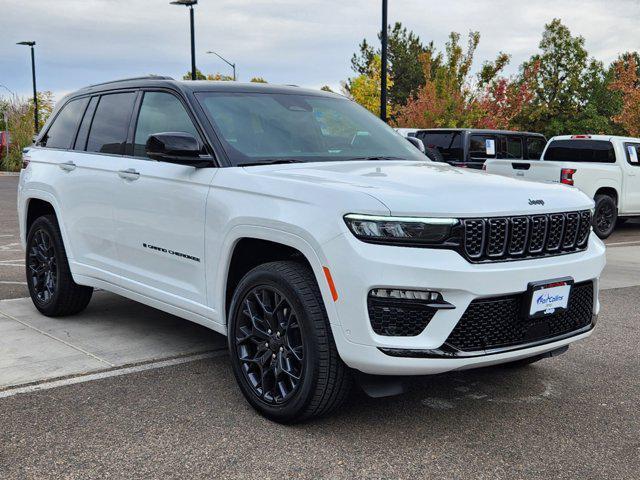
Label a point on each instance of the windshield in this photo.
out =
(265, 127)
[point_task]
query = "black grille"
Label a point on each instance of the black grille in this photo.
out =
(507, 238)
(397, 318)
(502, 322)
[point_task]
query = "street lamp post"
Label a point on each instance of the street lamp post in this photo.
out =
(33, 76)
(232, 65)
(190, 4)
(383, 68)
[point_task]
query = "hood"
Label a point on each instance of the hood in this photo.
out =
(437, 189)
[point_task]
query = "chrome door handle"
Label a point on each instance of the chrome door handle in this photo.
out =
(67, 166)
(129, 174)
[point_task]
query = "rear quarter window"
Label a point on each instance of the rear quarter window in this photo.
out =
(632, 151)
(62, 131)
(587, 151)
(535, 147)
(449, 144)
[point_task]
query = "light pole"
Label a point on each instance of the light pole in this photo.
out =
(190, 4)
(33, 75)
(383, 67)
(232, 65)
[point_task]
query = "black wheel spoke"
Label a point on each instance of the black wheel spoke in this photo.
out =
(42, 268)
(269, 344)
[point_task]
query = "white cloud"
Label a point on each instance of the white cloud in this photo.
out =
(305, 42)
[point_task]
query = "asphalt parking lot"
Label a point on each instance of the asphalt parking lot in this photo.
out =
(125, 391)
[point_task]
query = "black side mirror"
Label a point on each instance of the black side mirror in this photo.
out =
(416, 142)
(177, 147)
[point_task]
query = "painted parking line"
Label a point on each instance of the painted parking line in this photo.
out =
(623, 244)
(116, 372)
(8, 282)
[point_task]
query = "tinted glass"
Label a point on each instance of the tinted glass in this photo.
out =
(256, 127)
(63, 130)
(581, 151)
(535, 147)
(514, 147)
(111, 123)
(633, 153)
(160, 112)
(81, 139)
(448, 143)
(482, 146)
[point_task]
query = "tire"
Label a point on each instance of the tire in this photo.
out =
(605, 216)
(433, 154)
(303, 344)
(51, 286)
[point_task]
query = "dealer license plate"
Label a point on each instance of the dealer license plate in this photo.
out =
(549, 298)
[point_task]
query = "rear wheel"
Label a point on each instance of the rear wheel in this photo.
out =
(605, 216)
(51, 286)
(282, 350)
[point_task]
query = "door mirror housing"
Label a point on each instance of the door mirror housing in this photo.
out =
(416, 142)
(177, 147)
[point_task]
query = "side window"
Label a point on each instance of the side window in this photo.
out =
(633, 153)
(514, 147)
(160, 112)
(482, 146)
(62, 131)
(81, 139)
(535, 147)
(110, 124)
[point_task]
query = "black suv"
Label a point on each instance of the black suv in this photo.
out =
(463, 147)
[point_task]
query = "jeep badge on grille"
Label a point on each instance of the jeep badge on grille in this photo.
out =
(536, 202)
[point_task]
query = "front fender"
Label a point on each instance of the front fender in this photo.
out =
(312, 253)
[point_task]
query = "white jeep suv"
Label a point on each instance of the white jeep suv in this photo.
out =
(324, 245)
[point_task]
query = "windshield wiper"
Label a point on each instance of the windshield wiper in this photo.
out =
(273, 161)
(378, 157)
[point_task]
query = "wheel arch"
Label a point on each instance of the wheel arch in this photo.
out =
(34, 204)
(609, 191)
(249, 246)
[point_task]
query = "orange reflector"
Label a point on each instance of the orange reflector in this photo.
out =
(332, 286)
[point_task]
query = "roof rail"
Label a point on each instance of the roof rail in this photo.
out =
(145, 77)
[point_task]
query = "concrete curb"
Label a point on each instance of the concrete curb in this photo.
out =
(9, 174)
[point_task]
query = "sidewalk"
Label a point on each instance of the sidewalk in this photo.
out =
(112, 333)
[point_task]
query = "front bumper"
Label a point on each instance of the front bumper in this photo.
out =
(358, 267)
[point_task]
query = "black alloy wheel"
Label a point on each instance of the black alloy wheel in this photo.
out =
(605, 216)
(49, 279)
(269, 344)
(282, 350)
(42, 267)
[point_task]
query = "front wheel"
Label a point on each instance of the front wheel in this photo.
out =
(51, 286)
(605, 216)
(282, 351)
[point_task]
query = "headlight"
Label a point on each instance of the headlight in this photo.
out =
(414, 231)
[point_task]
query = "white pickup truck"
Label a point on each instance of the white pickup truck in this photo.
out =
(604, 167)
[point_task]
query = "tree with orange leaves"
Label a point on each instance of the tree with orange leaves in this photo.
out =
(627, 83)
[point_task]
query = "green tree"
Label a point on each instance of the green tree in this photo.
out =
(209, 76)
(365, 88)
(570, 88)
(449, 96)
(258, 80)
(405, 48)
(20, 126)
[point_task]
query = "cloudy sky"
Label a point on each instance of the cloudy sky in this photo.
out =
(302, 42)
